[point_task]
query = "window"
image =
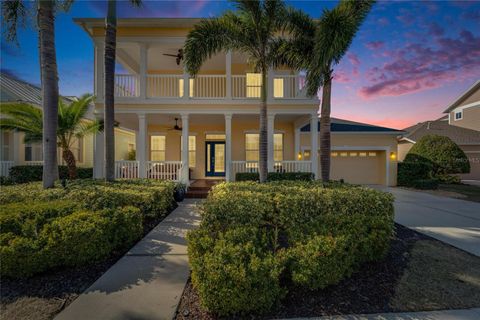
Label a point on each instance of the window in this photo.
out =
(353, 154)
(363, 154)
(33, 152)
(252, 146)
(192, 147)
(254, 85)
(77, 149)
(215, 137)
(372, 154)
(343, 154)
(278, 88)
(459, 115)
(157, 148)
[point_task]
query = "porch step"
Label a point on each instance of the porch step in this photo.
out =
(200, 188)
(196, 194)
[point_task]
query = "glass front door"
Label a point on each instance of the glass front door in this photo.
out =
(215, 159)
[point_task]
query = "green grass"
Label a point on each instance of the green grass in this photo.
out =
(472, 193)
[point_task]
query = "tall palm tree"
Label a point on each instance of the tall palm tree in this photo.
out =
(109, 99)
(254, 29)
(333, 35)
(72, 126)
(14, 12)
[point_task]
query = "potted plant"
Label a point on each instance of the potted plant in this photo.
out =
(179, 193)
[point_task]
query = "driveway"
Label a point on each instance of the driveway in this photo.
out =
(453, 221)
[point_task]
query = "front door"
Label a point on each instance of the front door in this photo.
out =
(215, 159)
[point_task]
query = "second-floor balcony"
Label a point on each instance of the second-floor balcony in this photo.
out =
(234, 87)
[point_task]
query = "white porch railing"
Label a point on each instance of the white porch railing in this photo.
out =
(165, 86)
(293, 166)
(126, 169)
(35, 163)
(244, 166)
(164, 170)
(127, 85)
(293, 86)
(5, 168)
(209, 86)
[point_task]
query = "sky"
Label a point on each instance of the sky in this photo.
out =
(409, 60)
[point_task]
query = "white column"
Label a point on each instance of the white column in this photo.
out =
(99, 155)
(141, 143)
(228, 71)
(314, 143)
(228, 147)
(185, 162)
(270, 133)
(143, 70)
(99, 65)
(296, 143)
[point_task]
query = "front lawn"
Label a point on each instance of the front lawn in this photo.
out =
(55, 243)
(469, 192)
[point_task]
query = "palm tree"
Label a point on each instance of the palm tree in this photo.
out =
(109, 71)
(14, 12)
(72, 126)
(321, 51)
(254, 29)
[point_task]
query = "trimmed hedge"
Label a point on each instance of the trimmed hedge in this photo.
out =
(425, 184)
(77, 225)
(25, 174)
(275, 176)
(254, 235)
(409, 172)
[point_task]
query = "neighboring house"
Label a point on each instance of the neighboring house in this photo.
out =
(461, 124)
(218, 114)
(13, 151)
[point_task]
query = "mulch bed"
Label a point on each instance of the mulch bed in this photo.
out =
(57, 289)
(367, 291)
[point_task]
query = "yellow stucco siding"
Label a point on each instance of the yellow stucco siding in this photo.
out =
(123, 139)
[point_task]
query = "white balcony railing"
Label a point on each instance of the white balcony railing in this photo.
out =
(164, 170)
(209, 87)
(293, 86)
(5, 168)
(126, 169)
(127, 85)
(165, 86)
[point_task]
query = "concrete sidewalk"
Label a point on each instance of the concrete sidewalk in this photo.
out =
(148, 282)
(465, 314)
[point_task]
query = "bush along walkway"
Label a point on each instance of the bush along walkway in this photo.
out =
(148, 281)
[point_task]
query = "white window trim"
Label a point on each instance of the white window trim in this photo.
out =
(455, 115)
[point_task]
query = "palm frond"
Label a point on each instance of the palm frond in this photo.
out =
(136, 3)
(13, 15)
(23, 118)
(87, 128)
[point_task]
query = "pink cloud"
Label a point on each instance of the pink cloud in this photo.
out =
(418, 67)
(374, 45)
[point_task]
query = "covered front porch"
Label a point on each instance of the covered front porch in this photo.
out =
(220, 144)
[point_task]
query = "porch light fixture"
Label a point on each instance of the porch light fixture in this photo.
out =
(299, 156)
(393, 156)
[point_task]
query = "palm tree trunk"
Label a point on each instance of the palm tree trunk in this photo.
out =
(325, 129)
(49, 78)
(263, 136)
(109, 103)
(69, 159)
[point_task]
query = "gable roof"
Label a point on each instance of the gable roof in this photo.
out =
(463, 96)
(459, 135)
(345, 126)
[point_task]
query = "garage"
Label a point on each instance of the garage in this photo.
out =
(358, 166)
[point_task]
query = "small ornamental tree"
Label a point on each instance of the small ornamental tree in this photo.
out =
(444, 155)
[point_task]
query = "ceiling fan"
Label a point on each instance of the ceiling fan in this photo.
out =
(176, 127)
(178, 56)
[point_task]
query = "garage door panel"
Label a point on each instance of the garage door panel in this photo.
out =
(474, 159)
(359, 166)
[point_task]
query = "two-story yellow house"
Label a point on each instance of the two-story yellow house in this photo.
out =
(207, 127)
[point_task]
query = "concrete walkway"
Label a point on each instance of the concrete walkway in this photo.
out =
(148, 282)
(466, 314)
(454, 221)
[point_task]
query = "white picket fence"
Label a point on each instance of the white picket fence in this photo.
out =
(5, 168)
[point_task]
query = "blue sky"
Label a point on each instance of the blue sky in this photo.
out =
(408, 61)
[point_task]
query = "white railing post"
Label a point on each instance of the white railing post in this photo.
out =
(314, 143)
(186, 85)
(270, 147)
(228, 69)
(185, 167)
(228, 147)
(141, 145)
(143, 70)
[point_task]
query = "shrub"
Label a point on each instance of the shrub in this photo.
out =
(275, 176)
(5, 181)
(408, 172)
(312, 233)
(425, 184)
(25, 174)
(441, 152)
